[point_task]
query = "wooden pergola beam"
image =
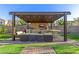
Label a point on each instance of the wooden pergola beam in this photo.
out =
(39, 13)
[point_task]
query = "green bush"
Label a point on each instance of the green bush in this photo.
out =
(3, 30)
(5, 37)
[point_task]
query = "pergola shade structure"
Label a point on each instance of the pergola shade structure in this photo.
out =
(40, 17)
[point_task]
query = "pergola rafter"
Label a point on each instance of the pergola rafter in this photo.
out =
(40, 19)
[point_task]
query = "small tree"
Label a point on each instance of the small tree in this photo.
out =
(3, 29)
(60, 22)
(21, 22)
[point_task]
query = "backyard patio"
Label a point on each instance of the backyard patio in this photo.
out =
(44, 33)
(38, 37)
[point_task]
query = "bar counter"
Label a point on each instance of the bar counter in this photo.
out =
(42, 37)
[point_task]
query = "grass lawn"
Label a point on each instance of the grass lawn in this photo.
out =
(11, 49)
(5, 36)
(17, 48)
(73, 36)
(66, 49)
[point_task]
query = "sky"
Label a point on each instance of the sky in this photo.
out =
(6, 8)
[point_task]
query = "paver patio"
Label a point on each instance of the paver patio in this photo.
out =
(38, 50)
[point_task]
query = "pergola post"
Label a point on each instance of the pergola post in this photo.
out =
(51, 25)
(13, 27)
(65, 27)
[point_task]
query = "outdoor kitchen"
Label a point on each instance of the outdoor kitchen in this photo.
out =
(43, 32)
(38, 33)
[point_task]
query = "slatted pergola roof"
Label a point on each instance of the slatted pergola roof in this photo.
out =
(39, 17)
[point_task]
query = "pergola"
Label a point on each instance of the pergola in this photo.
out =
(39, 17)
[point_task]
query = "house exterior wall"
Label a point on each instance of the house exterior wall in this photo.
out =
(2, 21)
(8, 23)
